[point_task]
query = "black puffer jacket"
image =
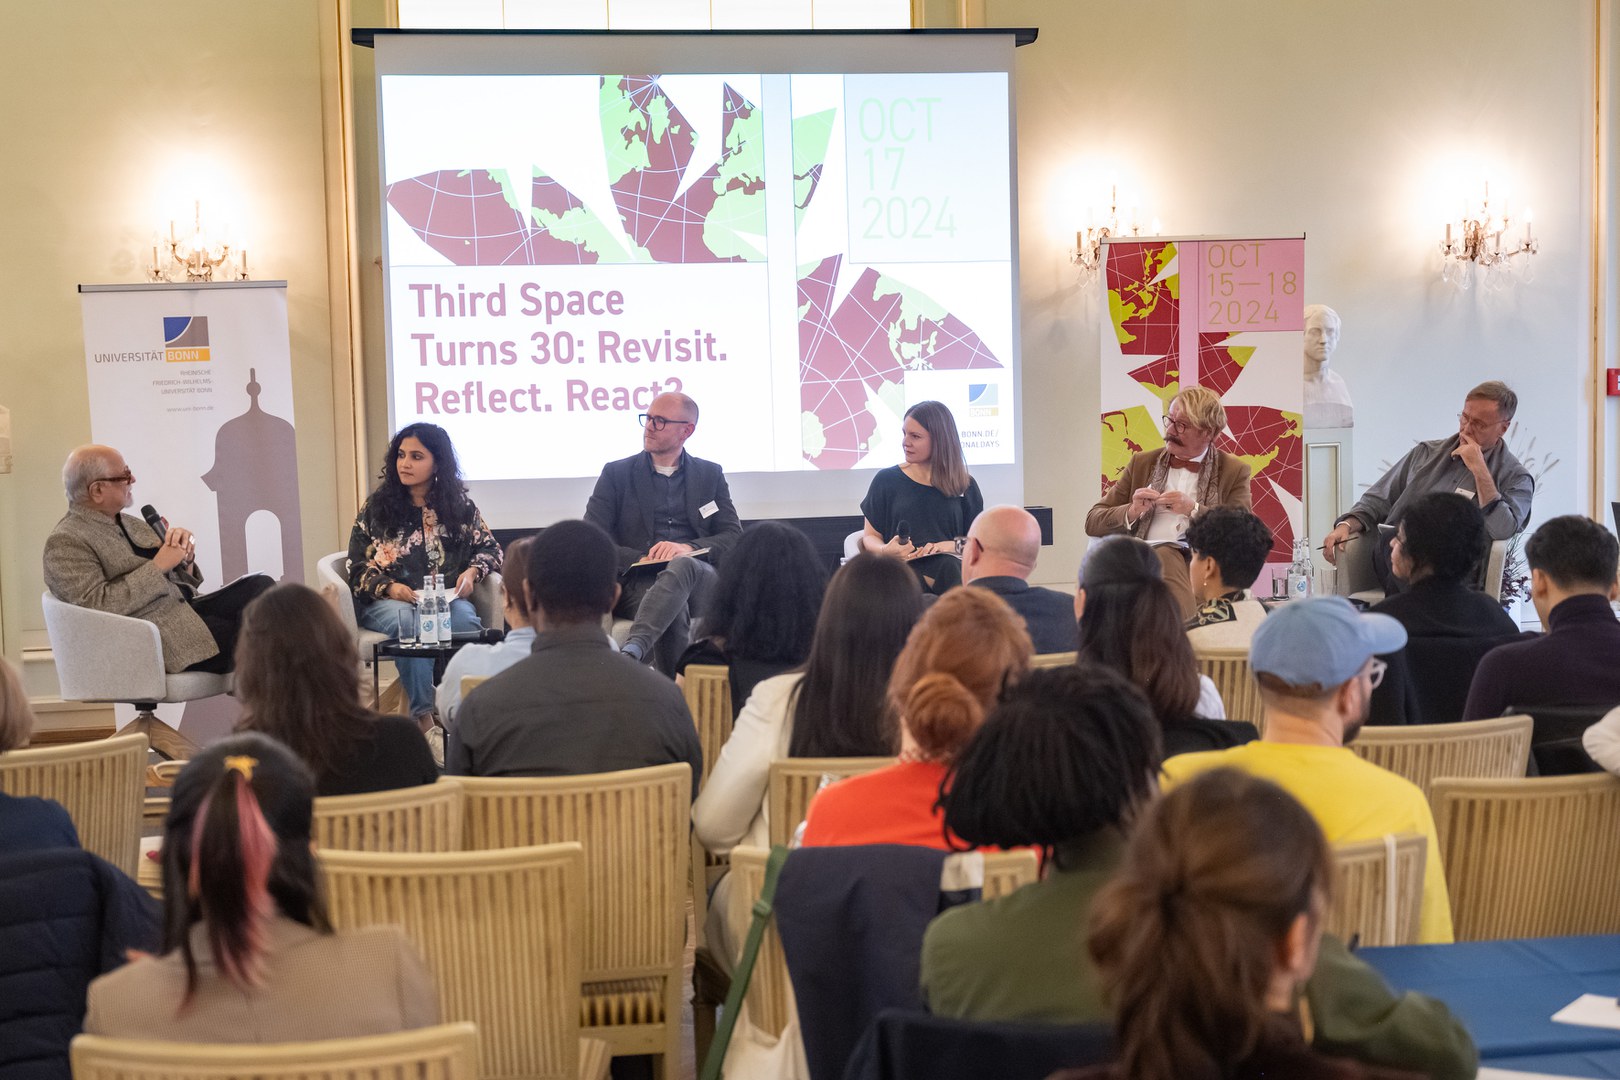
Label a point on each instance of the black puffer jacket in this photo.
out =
(66, 916)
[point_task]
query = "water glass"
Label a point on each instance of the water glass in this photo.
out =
(406, 631)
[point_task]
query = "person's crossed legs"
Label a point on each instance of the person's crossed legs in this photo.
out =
(661, 605)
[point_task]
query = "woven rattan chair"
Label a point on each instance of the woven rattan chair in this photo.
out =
(414, 819)
(1228, 669)
(1498, 748)
(795, 781)
(1378, 889)
(708, 697)
(634, 826)
(1052, 659)
(102, 784)
(1534, 857)
(501, 931)
(446, 1052)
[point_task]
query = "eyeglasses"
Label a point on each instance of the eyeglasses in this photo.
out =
(1375, 672)
(126, 477)
(1473, 424)
(1175, 425)
(658, 423)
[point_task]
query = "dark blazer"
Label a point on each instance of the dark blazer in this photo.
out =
(624, 499)
(1047, 613)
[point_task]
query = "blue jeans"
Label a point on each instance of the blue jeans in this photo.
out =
(415, 675)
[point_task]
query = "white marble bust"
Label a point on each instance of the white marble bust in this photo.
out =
(1327, 398)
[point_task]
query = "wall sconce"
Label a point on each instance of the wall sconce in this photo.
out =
(1087, 253)
(1478, 239)
(197, 255)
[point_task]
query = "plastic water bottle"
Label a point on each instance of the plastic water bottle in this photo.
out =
(428, 624)
(442, 602)
(1300, 572)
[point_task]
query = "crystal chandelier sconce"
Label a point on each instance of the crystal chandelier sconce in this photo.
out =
(197, 255)
(1479, 239)
(1087, 253)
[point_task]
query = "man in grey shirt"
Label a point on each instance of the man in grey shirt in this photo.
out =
(1474, 462)
(573, 705)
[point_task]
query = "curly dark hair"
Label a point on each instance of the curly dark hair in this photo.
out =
(1237, 540)
(1068, 751)
(767, 595)
(447, 496)
(1443, 533)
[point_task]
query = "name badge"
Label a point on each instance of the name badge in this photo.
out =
(709, 509)
(1465, 493)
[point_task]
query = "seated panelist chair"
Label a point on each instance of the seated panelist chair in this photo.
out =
(115, 658)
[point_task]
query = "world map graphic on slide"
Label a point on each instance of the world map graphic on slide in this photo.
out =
(472, 216)
(1144, 303)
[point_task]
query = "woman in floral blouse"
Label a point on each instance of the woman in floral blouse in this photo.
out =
(418, 521)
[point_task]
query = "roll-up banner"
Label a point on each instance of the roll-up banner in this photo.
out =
(193, 385)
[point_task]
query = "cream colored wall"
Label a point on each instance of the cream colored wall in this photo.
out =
(1267, 117)
(103, 100)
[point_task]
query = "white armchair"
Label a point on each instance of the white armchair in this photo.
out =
(105, 657)
(1358, 579)
(333, 574)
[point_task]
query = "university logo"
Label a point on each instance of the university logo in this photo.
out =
(185, 339)
(984, 399)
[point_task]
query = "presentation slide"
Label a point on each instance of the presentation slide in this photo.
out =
(805, 255)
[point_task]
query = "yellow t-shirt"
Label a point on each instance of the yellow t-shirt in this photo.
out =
(1350, 798)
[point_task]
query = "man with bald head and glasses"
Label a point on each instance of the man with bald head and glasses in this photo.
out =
(659, 506)
(1474, 462)
(1162, 490)
(99, 557)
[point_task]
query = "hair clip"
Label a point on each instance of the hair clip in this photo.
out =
(243, 764)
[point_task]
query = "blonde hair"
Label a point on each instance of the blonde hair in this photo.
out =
(1202, 408)
(960, 655)
(16, 718)
(946, 463)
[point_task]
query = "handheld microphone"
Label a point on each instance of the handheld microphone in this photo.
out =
(902, 531)
(155, 520)
(488, 636)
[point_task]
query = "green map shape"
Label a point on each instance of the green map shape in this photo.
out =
(738, 215)
(1120, 430)
(581, 226)
(811, 136)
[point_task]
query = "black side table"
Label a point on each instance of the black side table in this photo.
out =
(392, 647)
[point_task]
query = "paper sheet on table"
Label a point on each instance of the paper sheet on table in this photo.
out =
(1590, 1010)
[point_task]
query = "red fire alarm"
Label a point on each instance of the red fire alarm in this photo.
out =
(1614, 381)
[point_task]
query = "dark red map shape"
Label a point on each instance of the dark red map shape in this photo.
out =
(659, 216)
(1162, 373)
(1256, 431)
(1156, 328)
(465, 217)
(842, 353)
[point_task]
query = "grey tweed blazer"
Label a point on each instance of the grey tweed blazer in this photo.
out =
(88, 562)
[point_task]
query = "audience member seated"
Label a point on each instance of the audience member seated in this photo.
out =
(27, 823)
(574, 705)
(1129, 621)
(1449, 623)
(1064, 764)
(761, 613)
(298, 681)
(1602, 741)
(1204, 942)
(1572, 582)
(967, 648)
(1228, 546)
(837, 706)
(1002, 545)
(1316, 663)
(249, 953)
(486, 660)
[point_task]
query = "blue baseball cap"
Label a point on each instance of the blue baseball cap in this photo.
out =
(1322, 642)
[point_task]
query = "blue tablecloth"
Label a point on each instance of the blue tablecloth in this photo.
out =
(1506, 992)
